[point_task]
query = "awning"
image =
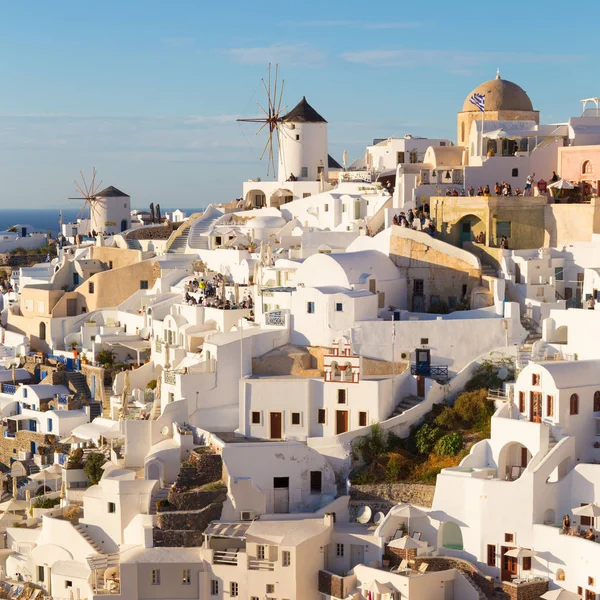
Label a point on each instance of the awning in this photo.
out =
(20, 418)
(135, 345)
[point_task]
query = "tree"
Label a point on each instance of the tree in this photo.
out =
(152, 212)
(158, 217)
(93, 467)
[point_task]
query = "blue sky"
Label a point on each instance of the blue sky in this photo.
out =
(148, 91)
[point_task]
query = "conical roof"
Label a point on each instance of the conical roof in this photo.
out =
(303, 112)
(112, 192)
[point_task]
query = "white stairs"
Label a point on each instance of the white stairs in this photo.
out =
(162, 494)
(196, 239)
(406, 403)
(86, 536)
(180, 243)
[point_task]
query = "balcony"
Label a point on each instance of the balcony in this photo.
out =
(275, 317)
(257, 564)
(336, 586)
(432, 371)
(228, 557)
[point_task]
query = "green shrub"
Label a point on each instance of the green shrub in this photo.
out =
(486, 377)
(474, 409)
(106, 358)
(371, 446)
(151, 385)
(449, 445)
(42, 502)
(163, 503)
(395, 442)
(426, 437)
(93, 467)
(447, 419)
(76, 456)
(213, 486)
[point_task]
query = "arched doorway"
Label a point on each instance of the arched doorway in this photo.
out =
(123, 224)
(255, 199)
(153, 471)
(468, 229)
(42, 335)
(450, 536)
(512, 461)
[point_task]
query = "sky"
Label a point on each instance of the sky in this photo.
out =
(148, 92)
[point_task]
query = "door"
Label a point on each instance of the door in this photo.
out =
(23, 231)
(465, 232)
(419, 303)
(517, 273)
(579, 290)
(449, 590)
(33, 447)
(357, 555)
(524, 457)
(509, 564)
(421, 386)
(276, 426)
(535, 406)
(71, 307)
(341, 421)
(123, 225)
(281, 494)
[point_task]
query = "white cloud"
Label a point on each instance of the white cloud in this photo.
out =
(291, 55)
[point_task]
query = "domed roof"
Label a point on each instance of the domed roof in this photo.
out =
(500, 94)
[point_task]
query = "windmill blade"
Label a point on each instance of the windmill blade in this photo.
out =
(262, 127)
(280, 97)
(265, 148)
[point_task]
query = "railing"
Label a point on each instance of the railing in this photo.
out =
(158, 346)
(9, 434)
(499, 395)
(256, 564)
(169, 377)
(62, 399)
(224, 558)
(434, 371)
(9, 388)
(275, 317)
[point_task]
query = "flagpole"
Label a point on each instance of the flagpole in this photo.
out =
(481, 141)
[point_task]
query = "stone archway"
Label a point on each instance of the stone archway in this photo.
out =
(469, 228)
(450, 536)
(154, 471)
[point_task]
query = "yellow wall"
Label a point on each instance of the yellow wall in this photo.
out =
(118, 256)
(567, 223)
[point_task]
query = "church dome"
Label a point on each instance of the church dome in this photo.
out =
(500, 94)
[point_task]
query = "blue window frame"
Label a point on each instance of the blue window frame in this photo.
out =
(310, 308)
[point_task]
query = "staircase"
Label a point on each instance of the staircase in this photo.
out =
(95, 410)
(404, 404)
(488, 270)
(156, 409)
(180, 243)
(132, 244)
(108, 392)
(479, 591)
(84, 534)
(525, 351)
(196, 239)
(78, 383)
(162, 494)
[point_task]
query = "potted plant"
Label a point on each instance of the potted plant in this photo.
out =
(84, 359)
(74, 348)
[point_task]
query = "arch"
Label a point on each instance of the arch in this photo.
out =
(587, 167)
(469, 227)
(348, 371)
(511, 459)
(549, 517)
(42, 331)
(561, 335)
(255, 199)
(43, 489)
(597, 401)
(450, 536)
(574, 404)
(154, 470)
(123, 224)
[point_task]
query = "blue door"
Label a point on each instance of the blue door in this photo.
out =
(32, 425)
(33, 447)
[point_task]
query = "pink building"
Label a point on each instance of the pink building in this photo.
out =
(581, 164)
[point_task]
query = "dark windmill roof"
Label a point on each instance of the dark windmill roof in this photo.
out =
(332, 163)
(303, 112)
(112, 192)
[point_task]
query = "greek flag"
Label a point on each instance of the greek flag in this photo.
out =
(478, 100)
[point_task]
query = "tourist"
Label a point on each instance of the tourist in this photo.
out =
(590, 535)
(591, 303)
(554, 177)
(518, 192)
(455, 193)
(480, 191)
(497, 189)
(529, 184)
(410, 217)
(480, 238)
(395, 220)
(486, 190)
(566, 524)
(462, 192)
(504, 243)
(471, 191)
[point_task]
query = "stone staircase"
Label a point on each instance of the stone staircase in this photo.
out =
(525, 351)
(479, 591)
(155, 412)
(85, 535)
(404, 404)
(196, 239)
(161, 494)
(132, 244)
(95, 409)
(179, 245)
(78, 383)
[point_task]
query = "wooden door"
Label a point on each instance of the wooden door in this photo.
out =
(535, 413)
(341, 421)
(524, 457)
(509, 564)
(276, 426)
(421, 386)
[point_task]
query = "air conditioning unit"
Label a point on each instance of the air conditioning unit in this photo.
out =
(247, 515)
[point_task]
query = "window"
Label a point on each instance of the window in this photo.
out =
(304, 172)
(585, 521)
(550, 406)
(580, 590)
(297, 137)
(110, 264)
(434, 300)
(418, 287)
(260, 552)
(590, 595)
(522, 402)
(341, 396)
(295, 418)
(49, 424)
(270, 588)
(452, 302)
(186, 577)
(286, 558)
(24, 392)
(68, 583)
(362, 419)
(574, 404)
(306, 194)
(233, 589)
(509, 538)
(344, 208)
(214, 587)
(535, 379)
(91, 287)
(591, 581)
(503, 228)
(339, 307)
(597, 401)
(316, 482)
(144, 284)
(491, 555)
(559, 273)
(339, 549)
(112, 507)
(587, 167)
(255, 417)
(310, 308)
(40, 571)
(515, 172)
(424, 341)
(321, 416)
(155, 577)
(327, 208)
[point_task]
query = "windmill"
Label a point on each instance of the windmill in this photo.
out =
(272, 116)
(89, 195)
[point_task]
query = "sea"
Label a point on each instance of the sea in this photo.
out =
(46, 219)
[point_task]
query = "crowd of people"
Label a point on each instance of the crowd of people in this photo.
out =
(419, 220)
(502, 188)
(207, 292)
(568, 529)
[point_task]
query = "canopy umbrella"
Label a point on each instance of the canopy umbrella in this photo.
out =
(263, 254)
(377, 588)
(560, 594)
(405, 543)
(562, 184)
(270, 254)
(12, 505)
(74, 439)
(51, 473)
(520, 553)
(588, 510)
(408, 512)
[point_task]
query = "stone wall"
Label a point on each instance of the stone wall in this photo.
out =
(191, 520)
(160, 232)
(177, 539)
(524, 591)
(11, 446)
(208, 464)
(383, 496)
(194, 499)
(21, 260)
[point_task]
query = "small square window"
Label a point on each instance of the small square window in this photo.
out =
(591, 581)
(310, 308)
(509, 538)
(341, 396)
(112, 507)
(260, 552)
(186, 578)
(424, 341)
(68, 583)
(515, 172)
(255, 417)
(144, 284)
(362, 419)
(286, 558)
(339, 307)
(233, 589)
(297, 137)
(295, 418)
(91, 287)
(535, 379)
(270, 588)
(304, 172)
(321, 416)
(327, 208)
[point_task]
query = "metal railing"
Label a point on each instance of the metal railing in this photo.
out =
(224, 558)
(499, 395)
(9, 388)
(434, 371)
(169, 377)
(257, 564)
(275, 317)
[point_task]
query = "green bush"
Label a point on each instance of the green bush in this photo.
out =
(42, 502)
(447, 419)
(151, 385)
(163, 503)
(449, 445)
(371, 446)
(76, 456)
(486, 377)
(93, 467)
(426, 437)
(474, 409)
(106, 358)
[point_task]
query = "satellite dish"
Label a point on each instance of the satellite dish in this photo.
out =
(165, 430)
(503, 373)
(379, 516)
(364, 515)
